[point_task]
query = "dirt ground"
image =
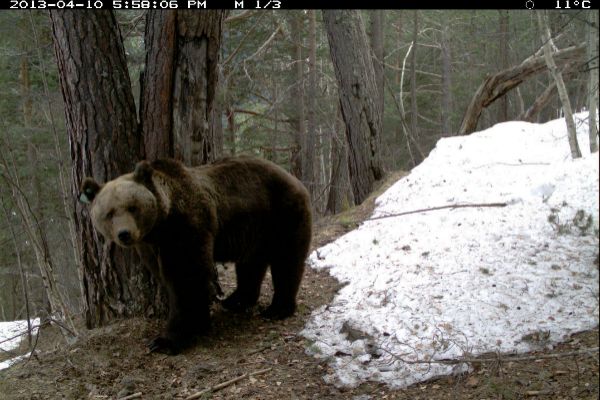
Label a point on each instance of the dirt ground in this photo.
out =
(268, 358)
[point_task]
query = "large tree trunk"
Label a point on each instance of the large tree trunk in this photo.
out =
(497, 85)
(340, 195)
(357, 89)
(105, 143)
(560, 84)
(178, 108)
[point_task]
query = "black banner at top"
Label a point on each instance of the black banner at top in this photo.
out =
(563, 5)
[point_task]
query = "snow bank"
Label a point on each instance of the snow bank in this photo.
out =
(447, 283)
(11, 334)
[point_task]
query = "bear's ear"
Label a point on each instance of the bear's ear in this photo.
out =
(143, 173)
(89, 190)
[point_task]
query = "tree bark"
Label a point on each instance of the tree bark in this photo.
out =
(592, 56)
(398, 77)
(297, 93)
(503, 59)
(414, 110)
(560, 84)
(497, 85)
(340, 195)
(357, 87)
(377, 23)
(309, 177)
(156, 101)
(105, 143)
(446, 109)
(178, 110)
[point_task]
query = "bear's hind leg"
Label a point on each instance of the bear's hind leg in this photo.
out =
(287, 277)
(249, 276)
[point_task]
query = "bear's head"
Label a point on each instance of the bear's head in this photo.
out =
(123, 210)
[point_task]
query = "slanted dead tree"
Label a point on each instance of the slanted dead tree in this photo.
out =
(497, 85)
(547, 95)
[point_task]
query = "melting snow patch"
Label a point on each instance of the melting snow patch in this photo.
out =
(11, 334)
(464, 281)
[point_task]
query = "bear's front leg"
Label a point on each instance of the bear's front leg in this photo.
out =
(189, 317)
(189, 279)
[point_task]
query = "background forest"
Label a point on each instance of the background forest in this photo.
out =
(278, 99)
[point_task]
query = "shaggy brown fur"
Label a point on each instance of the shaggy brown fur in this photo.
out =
(243, 210)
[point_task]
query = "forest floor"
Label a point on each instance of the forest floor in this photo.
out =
(268, 357)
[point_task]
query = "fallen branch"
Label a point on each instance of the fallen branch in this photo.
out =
(476, 205)
(497, 359)
(516, 359)
(226, 383)
(131, 396)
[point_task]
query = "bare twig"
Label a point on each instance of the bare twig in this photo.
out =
(226, 383)
(265, 44)
(259, 350)
(240, 16)
(132, 396)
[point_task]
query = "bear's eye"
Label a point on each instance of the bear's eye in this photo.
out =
(132, 209)
(110, 214)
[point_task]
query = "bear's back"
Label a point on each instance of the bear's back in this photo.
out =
(258, 205)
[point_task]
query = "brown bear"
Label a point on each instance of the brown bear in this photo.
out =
(240, 209)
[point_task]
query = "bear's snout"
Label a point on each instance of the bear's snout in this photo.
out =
(125, 237)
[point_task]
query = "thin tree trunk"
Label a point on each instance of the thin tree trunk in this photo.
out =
(398, 76)
(377, 23)
(22, 274)
(102, 127)
(26, 91)
(503, 21)
(357, 87)
(230, 114)
(309, 177)
(560, 84)
(297, 92)
(446, 109)
(592, 56)
(414, 111)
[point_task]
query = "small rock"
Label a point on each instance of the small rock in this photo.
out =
(472, 382)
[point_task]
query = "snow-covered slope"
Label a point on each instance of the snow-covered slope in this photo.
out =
(446, 283)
